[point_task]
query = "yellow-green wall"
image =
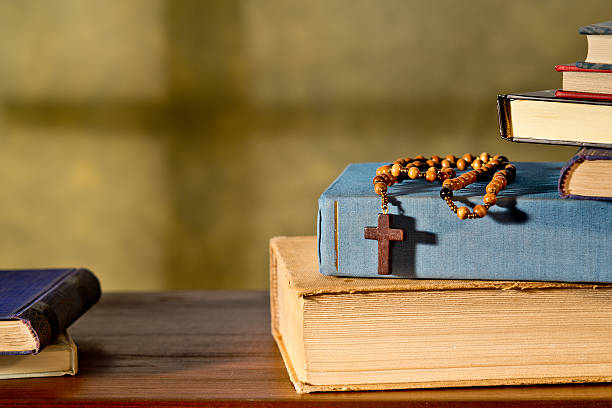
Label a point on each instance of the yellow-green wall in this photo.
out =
(163, 142)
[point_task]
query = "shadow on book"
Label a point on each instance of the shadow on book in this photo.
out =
(509, 215)
(403, 253)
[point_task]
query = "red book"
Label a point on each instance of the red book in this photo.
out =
(574, 68)
(583, 95)
(585, 83)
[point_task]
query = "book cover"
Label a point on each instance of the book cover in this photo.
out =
(593, 66)
(352, 334)
(57, 359)
(531, 234)
(589, 185)
(37, 305)
(541, 117)
(604, 28)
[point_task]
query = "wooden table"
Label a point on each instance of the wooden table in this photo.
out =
(215, 349)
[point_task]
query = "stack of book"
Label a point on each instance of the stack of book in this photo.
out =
(36, 309)
(578, 114)
(521, 296)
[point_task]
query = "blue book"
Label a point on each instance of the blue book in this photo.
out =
(37, 305)
(531, 234)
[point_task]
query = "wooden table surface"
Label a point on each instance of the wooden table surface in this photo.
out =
(215, 349)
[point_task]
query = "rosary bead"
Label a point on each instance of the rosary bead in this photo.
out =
(436, 160)
(468, 158)
(490, 199)
(493, 163)
(502, 180)
(484, 157)
(417, 163)
(463, 212)
(445, 164)
(396, 170)
(450, 171)
(511, 172)
(380, 188)
(503, 173)
(451, 159)
(476, 164)
(407, 160)
(480, 211)
(388, 179)
(502, 159)
(378, 178)
(383, 170)
(420, 158)
(448, 183)
(470, 177)
(431, 176)
(430, 163)
(493, 187)
(461, 164)
(446, 193)
(443, 176)
(414, 173)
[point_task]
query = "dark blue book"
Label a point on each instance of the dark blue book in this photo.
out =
(599, 38)
(37, 305)
(531, 234)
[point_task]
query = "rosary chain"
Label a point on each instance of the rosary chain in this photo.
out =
(442, 170)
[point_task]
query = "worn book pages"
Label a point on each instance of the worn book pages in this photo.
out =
(338, 334)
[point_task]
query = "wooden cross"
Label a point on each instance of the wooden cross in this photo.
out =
(383, 234)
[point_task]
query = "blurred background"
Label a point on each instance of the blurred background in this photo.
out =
(163, 142)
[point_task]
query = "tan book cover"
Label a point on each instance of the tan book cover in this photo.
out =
(340, 334)
(58, 358)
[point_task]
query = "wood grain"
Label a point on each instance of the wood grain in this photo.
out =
(215, 349)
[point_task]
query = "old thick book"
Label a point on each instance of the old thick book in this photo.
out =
(584, 83)
(542, 117)
(531, 234)
(588, 175)
(339, 334)
(37, 305)
(58, 358)
(599, 38)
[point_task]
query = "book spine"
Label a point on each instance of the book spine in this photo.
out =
(60, 306)
(503, 113)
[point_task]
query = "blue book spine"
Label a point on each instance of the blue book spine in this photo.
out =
(46, 300)
(531, 234)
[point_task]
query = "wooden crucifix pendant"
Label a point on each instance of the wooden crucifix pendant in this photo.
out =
(383, 234)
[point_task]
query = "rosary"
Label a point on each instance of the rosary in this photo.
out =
(496, 168)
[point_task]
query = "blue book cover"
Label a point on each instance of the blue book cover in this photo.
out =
(604, 28)
(37, 305)
(531, 234)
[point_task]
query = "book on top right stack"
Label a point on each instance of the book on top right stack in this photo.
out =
(580, 114)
